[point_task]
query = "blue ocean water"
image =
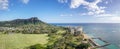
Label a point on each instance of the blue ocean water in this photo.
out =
(107, 31)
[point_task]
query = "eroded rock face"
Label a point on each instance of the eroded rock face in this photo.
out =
(34, 20)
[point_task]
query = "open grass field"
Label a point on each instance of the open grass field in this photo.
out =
(20, 41)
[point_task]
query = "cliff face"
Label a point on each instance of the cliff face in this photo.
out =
(19, 22)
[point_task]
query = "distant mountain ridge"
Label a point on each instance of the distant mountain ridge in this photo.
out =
(27, 26)
(18, 22)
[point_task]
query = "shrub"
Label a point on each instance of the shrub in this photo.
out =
(37, 46)
(83, 46)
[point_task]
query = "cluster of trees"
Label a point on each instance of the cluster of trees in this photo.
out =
(38, 29)
(32, 29)
(67, 41)
(36, 46)
(68, 46)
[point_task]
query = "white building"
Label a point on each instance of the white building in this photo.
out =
(76, 30)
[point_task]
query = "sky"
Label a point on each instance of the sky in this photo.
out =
(62, 11)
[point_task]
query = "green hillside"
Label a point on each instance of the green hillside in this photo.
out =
(19, 22)
(27, 26)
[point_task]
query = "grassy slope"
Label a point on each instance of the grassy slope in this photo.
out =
(19, 41)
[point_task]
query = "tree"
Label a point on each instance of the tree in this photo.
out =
(83, 46)
(37, 46)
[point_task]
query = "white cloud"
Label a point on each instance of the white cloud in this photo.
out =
(105, 15)
(25, 1)
(4, 4)
(77, 3)
(63, 1)
(66, 15)
(109, 18)
(106, 2)
(90, 13)
(92, 7)
(116, 18)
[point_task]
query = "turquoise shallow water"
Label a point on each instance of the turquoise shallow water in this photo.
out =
(111, 46)
(107, 31)
(99, 41)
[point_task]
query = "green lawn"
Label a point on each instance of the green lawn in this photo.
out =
(19, 41)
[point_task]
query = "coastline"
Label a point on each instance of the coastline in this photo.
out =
(94, 42)
(101, 43)
(92, 30)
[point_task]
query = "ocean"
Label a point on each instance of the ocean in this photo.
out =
(109, 32)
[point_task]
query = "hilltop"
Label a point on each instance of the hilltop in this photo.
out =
(27, 26)
(20, 22)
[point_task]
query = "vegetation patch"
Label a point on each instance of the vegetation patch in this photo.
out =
(20, 41)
